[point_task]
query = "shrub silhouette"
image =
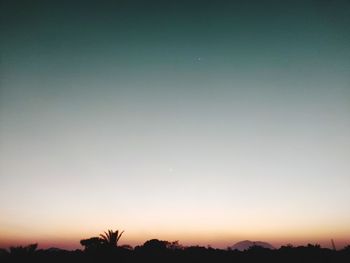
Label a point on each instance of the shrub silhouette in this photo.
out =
(27, 250)
(92, 243)
(174, 245)
(155, 245)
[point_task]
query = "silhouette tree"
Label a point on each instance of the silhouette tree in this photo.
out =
(174, 245)
(23, 251)
(314, 246)
(92, 243)
(27, 249)
(111, 238)
(155, 245)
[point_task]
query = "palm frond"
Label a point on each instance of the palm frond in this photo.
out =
(111, 238)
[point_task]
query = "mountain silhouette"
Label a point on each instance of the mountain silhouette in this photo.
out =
(246, 244)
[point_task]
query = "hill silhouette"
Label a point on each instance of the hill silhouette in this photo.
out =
(246, 244)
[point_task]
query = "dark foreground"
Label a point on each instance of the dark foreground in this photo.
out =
(189, 254)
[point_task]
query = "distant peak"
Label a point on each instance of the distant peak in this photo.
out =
(246, 244)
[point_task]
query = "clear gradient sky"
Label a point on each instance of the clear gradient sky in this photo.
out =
(207, 123)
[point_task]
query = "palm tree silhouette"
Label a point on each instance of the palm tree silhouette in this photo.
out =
(111, 238)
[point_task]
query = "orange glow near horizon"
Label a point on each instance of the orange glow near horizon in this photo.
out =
(219, 228)
(221, 238)
(222, 227)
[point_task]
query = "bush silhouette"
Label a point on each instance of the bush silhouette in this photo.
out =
(155, 245)
(23, 251)
(92, 243)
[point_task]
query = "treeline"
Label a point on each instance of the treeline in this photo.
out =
(163, 251)
(105, 249)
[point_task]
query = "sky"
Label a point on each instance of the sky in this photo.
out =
(203, 122)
